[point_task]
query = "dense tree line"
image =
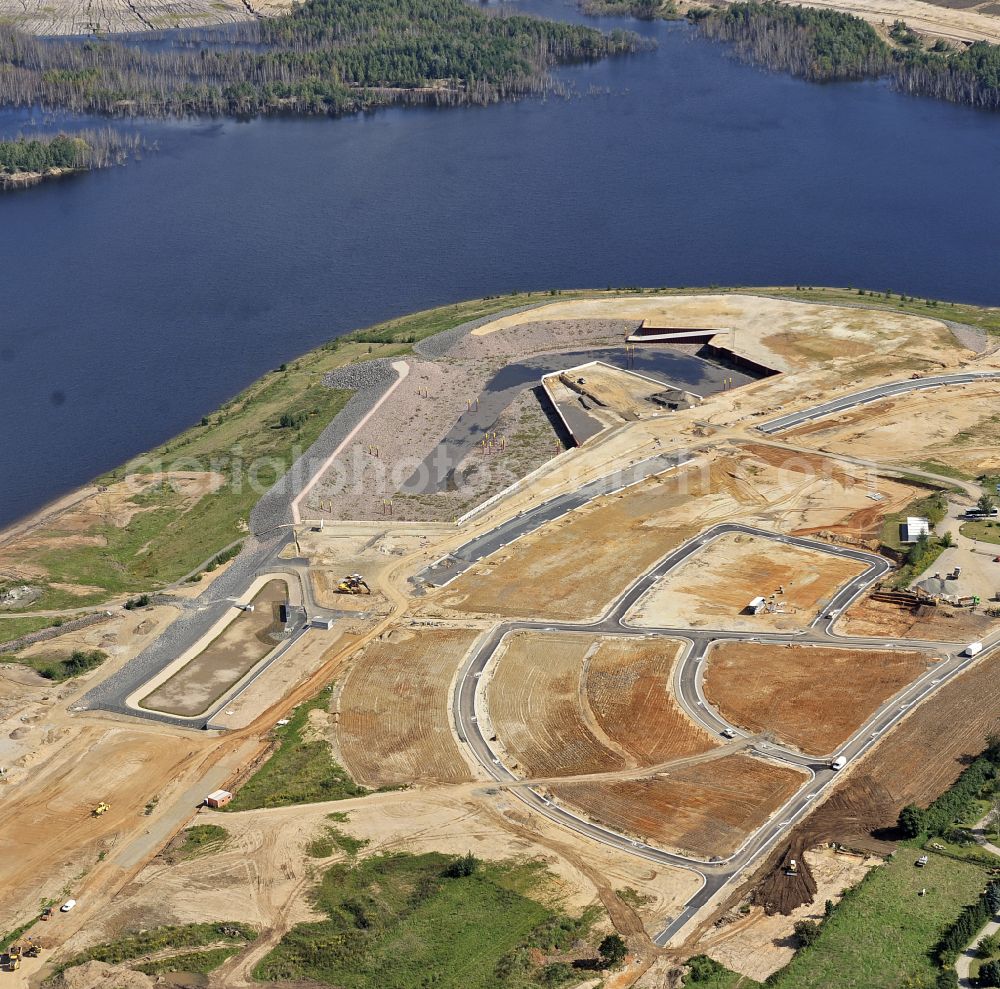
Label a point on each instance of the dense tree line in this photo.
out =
(86, 150)
(970, 922)
(823, 45)
(644, 10)
(957, 802)
(326, 56)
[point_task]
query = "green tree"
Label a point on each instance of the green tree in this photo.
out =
(806, 932)
(989, 946)
(986, 504)
(989, 974)
(911, 821)
(612, 950)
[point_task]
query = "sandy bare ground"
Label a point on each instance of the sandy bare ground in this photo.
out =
(868, 617)
(125, 766)
(705, 809)
(959, 426)
(955, 24)
(755, 944)
(263, 874)
(63, 17)
(614, 390)
(778, 333)
(393, 709)
(713, 588)
(555, 572)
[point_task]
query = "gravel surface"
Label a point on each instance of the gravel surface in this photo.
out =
(971, 337)
(370, 379)
(544, 336)
(438, 345)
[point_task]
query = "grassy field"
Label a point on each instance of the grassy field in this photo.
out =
(201, 962)
(400, 922)
(226, 935)
(322, 845)
(300, 771)
(706, 973)
(198, 840)
(933, 507)
(60, 666)
(883, 932)
(985, 530)
(14, 628)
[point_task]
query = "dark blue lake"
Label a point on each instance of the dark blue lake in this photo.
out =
(135, 300)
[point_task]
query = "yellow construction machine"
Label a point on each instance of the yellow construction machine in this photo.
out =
(101, 809)
(353, 584)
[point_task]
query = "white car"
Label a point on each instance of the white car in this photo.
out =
(67, 906)
(728, 733)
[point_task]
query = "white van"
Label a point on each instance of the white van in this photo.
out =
(839, 762)
(67, 906)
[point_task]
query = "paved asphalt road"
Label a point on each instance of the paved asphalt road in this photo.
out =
(111, 693)
(446, 569)
(717, 873)
(872, 395)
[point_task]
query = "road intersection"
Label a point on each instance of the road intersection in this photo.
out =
(715, 874)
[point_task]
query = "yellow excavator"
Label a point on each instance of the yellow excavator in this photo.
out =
(353, 584)
(101, 809)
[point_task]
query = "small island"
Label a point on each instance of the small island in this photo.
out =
(26, 162)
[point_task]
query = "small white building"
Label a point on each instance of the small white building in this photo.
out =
(324, 623)
(218, 798)
(913, 528)
(756, 606)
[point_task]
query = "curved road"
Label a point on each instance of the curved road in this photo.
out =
(872, 394)
(688, 675)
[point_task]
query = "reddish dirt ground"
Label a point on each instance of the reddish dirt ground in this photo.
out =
(705, 810)
(628, 689)
(883, 618)
(534, 701)
(916, 762)
(807, 696)
(394, 725)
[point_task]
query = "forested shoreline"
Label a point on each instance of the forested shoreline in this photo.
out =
(26, 161)
(325, 57)
(826, 45)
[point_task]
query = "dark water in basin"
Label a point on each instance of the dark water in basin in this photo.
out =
(137, 299)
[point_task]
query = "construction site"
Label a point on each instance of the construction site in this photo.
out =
(665, 638)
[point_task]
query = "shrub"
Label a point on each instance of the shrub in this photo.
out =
(704, 969)
(612, 950)
(806, 932)
(458, 868)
